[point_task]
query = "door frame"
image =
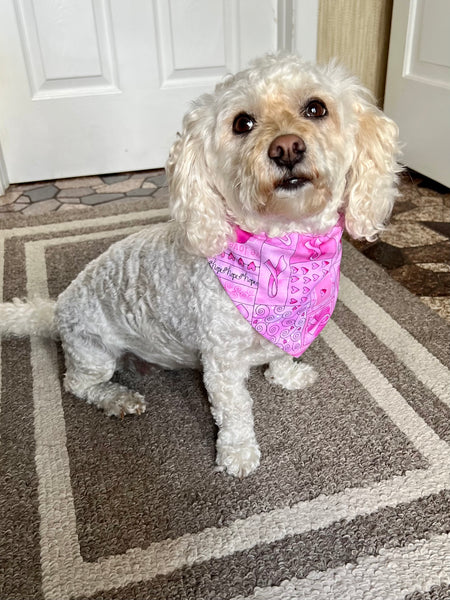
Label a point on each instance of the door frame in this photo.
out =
(294, 34)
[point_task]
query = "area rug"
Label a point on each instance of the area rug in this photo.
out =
(352, 498)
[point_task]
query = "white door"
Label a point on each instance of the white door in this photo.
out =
(418, 84)
(100, 86)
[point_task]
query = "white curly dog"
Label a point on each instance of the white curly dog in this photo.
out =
(284, 146)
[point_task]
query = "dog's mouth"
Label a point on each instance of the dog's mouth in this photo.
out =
(292, 183)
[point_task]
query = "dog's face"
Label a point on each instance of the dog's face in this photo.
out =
(282, 152)
(279, 147)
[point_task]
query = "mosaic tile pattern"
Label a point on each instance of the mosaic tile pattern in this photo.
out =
(81, 192)
(415, 250)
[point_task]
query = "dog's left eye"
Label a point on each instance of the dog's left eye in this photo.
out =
(243, 123)
(315, 109)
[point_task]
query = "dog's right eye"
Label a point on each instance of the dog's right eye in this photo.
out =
(243, 123)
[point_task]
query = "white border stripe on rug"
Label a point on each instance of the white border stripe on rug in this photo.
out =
(2, 267)
(153, 213)
(2, 275)
(64, 572)
(426, 367)
(36, 255)
(384, 394)
(393, 574)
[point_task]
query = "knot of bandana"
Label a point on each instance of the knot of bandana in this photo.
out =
(286, 287)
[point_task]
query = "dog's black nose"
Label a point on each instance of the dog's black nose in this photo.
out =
(287, 150)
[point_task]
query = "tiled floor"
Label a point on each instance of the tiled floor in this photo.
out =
(415, 250)
(81, 192)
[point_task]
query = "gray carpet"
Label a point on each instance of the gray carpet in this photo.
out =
(352, 498)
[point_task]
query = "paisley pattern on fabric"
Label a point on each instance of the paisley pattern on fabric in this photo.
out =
(286, 287)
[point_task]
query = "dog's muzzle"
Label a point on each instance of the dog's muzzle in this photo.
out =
(287, 151)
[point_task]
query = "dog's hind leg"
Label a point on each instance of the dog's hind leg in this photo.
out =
(88, 377)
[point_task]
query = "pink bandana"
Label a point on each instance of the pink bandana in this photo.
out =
(285, 287)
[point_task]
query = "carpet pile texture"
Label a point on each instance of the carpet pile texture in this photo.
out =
(352, 498)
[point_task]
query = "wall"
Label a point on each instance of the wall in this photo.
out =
(357, 33)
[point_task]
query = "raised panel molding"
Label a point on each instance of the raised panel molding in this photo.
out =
(427, 55)
(78, 63)
(220, 49)
(243, 29)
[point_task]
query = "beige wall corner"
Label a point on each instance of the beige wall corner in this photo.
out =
(357, 33)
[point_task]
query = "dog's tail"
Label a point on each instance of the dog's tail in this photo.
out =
(21, 318)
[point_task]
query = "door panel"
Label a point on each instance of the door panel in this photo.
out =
(100, 86)
(204, 51)
(418, 84)
(67, 48)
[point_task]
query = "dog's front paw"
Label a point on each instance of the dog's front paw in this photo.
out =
(290, 375)
(239, 460)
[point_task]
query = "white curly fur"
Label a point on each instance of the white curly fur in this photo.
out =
(154, 294)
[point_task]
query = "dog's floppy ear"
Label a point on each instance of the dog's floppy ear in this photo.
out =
(371, 180)
(196, 204)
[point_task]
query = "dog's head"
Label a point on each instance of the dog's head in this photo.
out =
(282, 146)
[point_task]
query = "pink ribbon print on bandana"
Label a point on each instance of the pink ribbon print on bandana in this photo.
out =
(286, 287)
